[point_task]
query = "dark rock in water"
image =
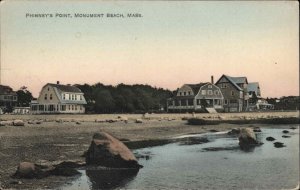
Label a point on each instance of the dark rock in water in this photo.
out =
(213, 130)
(286, 136)
(247, 138)
(293, 128)
(64, 171)
(193, 140)
(279, 144)
(270, 139)
(234, 132)
(105, 150)
(285, 131)
(110, 179)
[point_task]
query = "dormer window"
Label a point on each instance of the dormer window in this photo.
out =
(45, 97)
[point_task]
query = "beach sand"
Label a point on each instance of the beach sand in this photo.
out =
(66, 137)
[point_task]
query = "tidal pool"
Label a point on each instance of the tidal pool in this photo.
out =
(217, 164)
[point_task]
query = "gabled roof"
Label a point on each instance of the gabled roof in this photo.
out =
(239, 80)
(66, 88)
(196, 87)
(235, 81)
(253, 87)
(7, 90)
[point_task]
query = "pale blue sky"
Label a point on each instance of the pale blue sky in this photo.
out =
(172, 44)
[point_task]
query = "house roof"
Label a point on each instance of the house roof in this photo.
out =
(65, 88)
(239, 80)
(7, 90)
(235, 81)
(196, 87)
(253, 87)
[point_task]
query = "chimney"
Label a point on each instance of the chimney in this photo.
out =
(212, 79)
(57, 82)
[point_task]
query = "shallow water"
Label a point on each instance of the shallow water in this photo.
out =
(177, 166)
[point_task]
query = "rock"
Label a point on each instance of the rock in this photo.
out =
(78, 123)
(213, 130)
(270, 139)
(123, 118)
(234, 131)
(146, 116)
(279, 144)
(26, 170)
(286, 136)
(18, 122)
(247, 138)
(105, 150)
(30, 170)
(6, 123)
(31, 122)
(293, 128)
(100, 120)
(38, 122)
(221, 117)
(285, 131)
(139, 121)
(256, 129)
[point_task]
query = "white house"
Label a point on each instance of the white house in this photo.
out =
(57, 98)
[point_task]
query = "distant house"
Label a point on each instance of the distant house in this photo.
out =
(57, 98)
(196, 97)
(8, 98)
(234, 90)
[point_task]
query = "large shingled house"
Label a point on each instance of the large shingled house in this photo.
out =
(57, 98)
(196, 97)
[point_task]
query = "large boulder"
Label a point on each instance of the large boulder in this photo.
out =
(247, 138)
(105, 150)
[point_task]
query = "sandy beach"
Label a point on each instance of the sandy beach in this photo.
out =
(66, 137)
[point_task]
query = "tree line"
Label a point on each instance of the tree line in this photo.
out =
(124, 98)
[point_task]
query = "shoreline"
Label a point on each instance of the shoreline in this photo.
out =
(59, 137)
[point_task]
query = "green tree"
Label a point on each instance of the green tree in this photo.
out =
(24, 97)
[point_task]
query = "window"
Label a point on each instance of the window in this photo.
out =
(223, 85)
(80, 97)
(80, 107)
(203, 92)
(189, 92)
(209, 86)
(64, 96)
(48, 88)
(75, 97)
(41, 107)
(180, 93)
(15, 97)
(232, 93)
(63, 108)
(225, 102)
(69, 107)
(184, 93)
(233, 101)
(72, 107)
(50, 97)
(45, 96)
(209, 92)
(216, 92)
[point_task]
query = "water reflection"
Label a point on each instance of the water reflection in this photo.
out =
(110, 179)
